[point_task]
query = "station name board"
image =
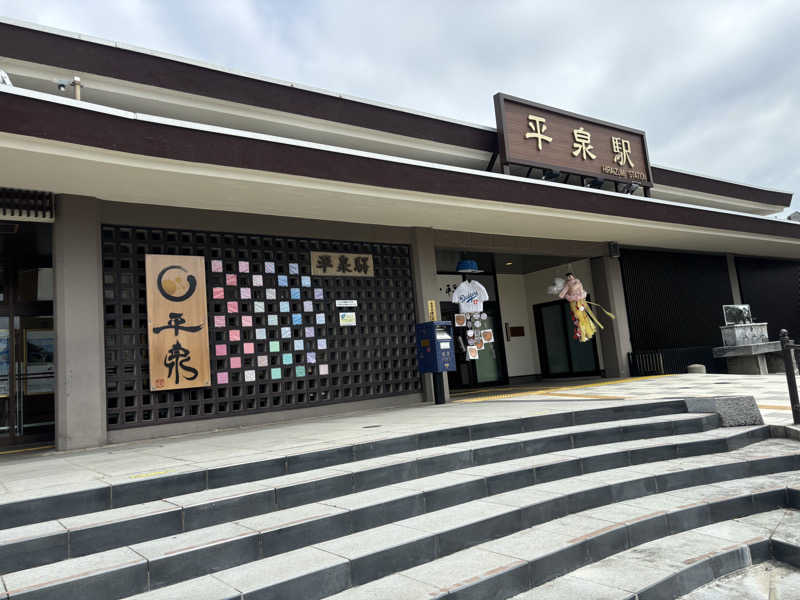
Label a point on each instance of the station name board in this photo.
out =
(539, 136)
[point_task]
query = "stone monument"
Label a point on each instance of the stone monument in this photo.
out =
(745, 345)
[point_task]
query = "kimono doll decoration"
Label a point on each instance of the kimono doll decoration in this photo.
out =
(584, 320)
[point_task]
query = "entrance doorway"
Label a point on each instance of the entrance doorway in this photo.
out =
(560, 354)
(27, 335)
(489, 368)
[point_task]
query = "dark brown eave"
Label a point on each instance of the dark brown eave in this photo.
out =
(698, 183)
(60, 122)
(55, 50)
(32, 45)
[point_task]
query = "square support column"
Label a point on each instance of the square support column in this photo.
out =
(80, 357)
(609, 292)
(424, 261)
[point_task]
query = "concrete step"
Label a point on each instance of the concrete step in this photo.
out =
(341, 519)
(27, 507)
(42, 543)
(676, 565)
(572, 552)
(386, 547)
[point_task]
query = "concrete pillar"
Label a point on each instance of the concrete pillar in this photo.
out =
(608, 291)
(736, 292)
(424, 263)
(80, 359)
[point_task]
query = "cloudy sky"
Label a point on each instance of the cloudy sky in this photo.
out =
(715, 84)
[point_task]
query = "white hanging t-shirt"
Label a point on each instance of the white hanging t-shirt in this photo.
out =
(470, 296)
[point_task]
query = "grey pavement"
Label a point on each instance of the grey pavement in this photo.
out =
(135, 461)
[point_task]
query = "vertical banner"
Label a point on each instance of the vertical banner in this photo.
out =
(177, 322)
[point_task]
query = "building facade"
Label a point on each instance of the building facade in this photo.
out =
(327, 226)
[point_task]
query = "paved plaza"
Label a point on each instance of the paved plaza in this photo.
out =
(23, 472)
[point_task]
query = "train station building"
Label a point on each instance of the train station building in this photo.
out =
(313, 231)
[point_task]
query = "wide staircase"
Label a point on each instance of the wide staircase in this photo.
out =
(643, 501)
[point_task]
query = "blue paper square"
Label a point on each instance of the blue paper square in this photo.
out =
(320, 318)
(294, 268)
(297, 319)
(298, 345)
(286, 332)
(272, 320)
(284, 306)
(295, 293)
(305, 281)
(287, 358)
(283, 281)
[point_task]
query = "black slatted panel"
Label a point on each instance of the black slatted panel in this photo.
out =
(372, 359)
(674, 300)
(772, 289)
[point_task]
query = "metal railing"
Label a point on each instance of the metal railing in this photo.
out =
(665, 361)
(787, 348)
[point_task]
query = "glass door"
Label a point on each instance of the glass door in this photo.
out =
(34, 378)
(560, 354)
(27, 336)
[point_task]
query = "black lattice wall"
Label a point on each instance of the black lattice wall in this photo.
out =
(374, 358)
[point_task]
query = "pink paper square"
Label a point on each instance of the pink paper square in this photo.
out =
(222, 349)
(244, 266)
(230, 279)
(219, 320)
(236, 362)
(249, 347)
(218, 293)
(234, 335)
(216, 266)
(244, 293)
(247, 321)
(222, 377)
(233, 307)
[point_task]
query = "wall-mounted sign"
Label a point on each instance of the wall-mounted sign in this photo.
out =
(336, 264)
(432, 310)
(177, 322)
(535, 135)
(347, 319)
(346, 303)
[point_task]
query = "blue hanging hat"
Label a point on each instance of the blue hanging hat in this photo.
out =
(468, 266)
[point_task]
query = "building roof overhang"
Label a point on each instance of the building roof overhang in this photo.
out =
(454, 141)
(68, 146)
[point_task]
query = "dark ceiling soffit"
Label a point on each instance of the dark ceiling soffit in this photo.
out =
(54, 121)
(64, 52)
(698, 183)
